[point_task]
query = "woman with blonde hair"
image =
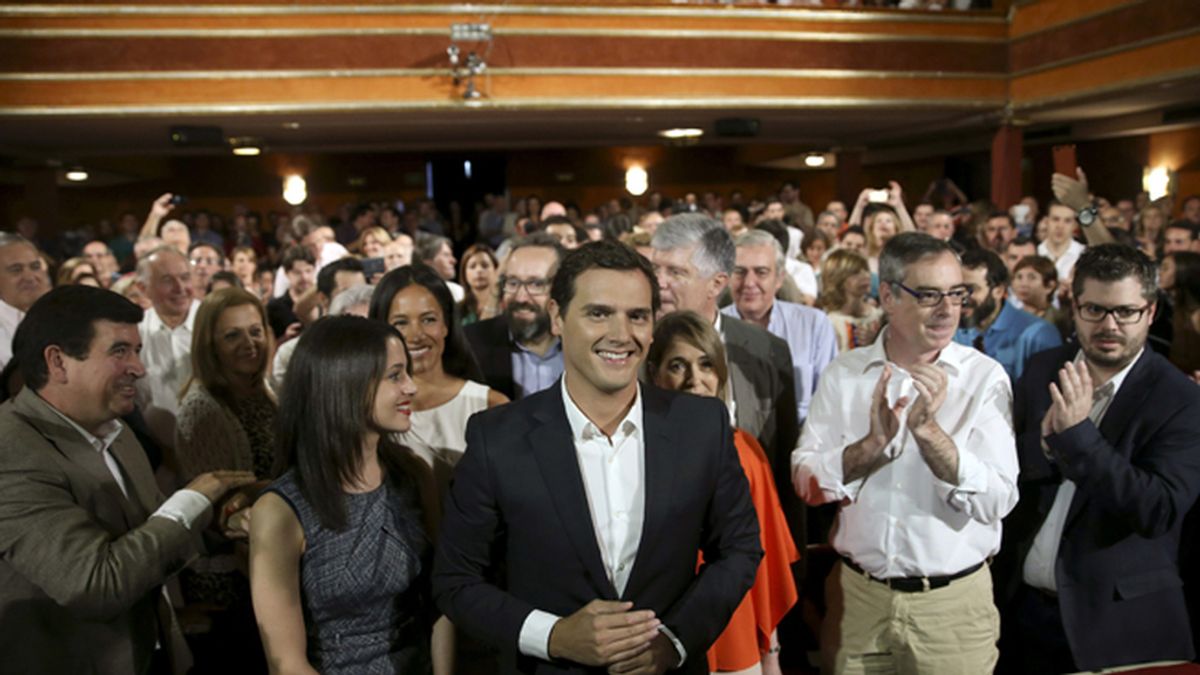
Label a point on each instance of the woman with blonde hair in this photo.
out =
(371, 242)
(479, 274)
(227, 421)
(845, 287)
(687, 355)
(72, 270)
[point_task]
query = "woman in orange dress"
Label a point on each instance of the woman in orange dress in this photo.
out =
(687, 355)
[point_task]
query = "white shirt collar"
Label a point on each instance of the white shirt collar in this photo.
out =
(10, 313)
(109, 430)
(951, 355)
(583, 429)
(155, 323)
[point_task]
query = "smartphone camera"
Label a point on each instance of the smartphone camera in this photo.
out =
(878, 196)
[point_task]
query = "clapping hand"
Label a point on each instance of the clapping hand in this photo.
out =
(1071, 399)
(603, 632)
(930, 382)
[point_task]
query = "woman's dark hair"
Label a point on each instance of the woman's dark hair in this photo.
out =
(456, 359)
(1186, 292)
(325, 411)
(471, 303)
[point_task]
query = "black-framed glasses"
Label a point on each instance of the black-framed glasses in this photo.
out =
(513, 285)
(1093, 313)
(928, 297)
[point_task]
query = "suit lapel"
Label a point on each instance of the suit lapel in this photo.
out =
(1128, 400)
(658, 482)
(143, 491)
(77, 450)
(554, 447)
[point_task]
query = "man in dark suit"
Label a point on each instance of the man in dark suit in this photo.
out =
(1110, 464)
(694, 256)
(516, 351)
(594, 497)
(86, 539)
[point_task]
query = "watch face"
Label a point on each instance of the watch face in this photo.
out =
(1087, 216)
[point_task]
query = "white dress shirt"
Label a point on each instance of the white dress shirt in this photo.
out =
(1038, 570)
(1064, 263)
(167, 356)
(613, 470)
(901, 520)
(10, 318)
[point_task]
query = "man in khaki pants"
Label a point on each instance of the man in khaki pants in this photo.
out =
(913, 436)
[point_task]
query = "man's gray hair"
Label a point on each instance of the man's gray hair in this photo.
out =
(351, 297)
(906, 249)
(10, 238)
(143, 266)
(429, 245)
(714, 252)
(764, 238)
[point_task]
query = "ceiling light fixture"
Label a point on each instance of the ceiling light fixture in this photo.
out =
(295, 190)
(247, 150)
(77, 175)
(637, 181)
(1157, 181)
(681, 132)
(814, 160)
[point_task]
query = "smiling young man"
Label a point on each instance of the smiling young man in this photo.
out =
(911, 436)
(1110, 464)
(595, 496)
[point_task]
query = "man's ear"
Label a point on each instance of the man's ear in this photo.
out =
(555, 318)
(717, 284)
(56, 364)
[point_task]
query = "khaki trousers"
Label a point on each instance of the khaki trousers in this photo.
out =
(870, 629)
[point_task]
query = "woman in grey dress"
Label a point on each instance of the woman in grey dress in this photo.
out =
(339, 550)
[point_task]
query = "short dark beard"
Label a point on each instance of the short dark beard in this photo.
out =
(525, 330)
(977, 315)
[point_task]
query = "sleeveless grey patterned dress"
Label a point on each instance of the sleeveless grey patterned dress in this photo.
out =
(364, 588)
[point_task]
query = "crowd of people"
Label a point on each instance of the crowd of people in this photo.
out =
(392, 441)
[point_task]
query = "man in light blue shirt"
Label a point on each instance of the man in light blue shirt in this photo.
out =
(808, 333)
(994, 326)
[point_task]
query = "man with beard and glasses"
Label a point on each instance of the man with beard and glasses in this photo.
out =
(911, 437)
(1110, 464)
(991, 324)
(516, 351)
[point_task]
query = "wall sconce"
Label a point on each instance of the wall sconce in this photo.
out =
(637, 181)
(295, 190)
(1157, 181)
(475, 64)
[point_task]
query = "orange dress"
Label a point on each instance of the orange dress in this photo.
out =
(774, 592)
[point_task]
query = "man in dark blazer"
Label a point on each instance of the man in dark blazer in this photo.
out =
(86, 539)
(1110, 464)
(693, 257)
(572, 529)
(517, 353)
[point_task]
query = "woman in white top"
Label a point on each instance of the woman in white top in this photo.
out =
(416, 301)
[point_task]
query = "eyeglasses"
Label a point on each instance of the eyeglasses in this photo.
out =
(1124, 314)
(534, 286)
(927, 297)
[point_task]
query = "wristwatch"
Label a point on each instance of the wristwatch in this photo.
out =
(1087, 215)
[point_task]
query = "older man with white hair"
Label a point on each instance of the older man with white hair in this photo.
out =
(165, 276)
(23, 279)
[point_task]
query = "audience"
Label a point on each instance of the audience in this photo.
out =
(1110, 463)
(23, 279)
(929, 472)
(687, 355)
(227, 422)
(992, 325)
(88, 539)
(893, 388)
(516, 351)
(340, 543)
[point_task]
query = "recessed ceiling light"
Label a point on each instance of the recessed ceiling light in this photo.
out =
(290, 125)
(688, 132)
(247, 150)
(814, 159)
(77, 175)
